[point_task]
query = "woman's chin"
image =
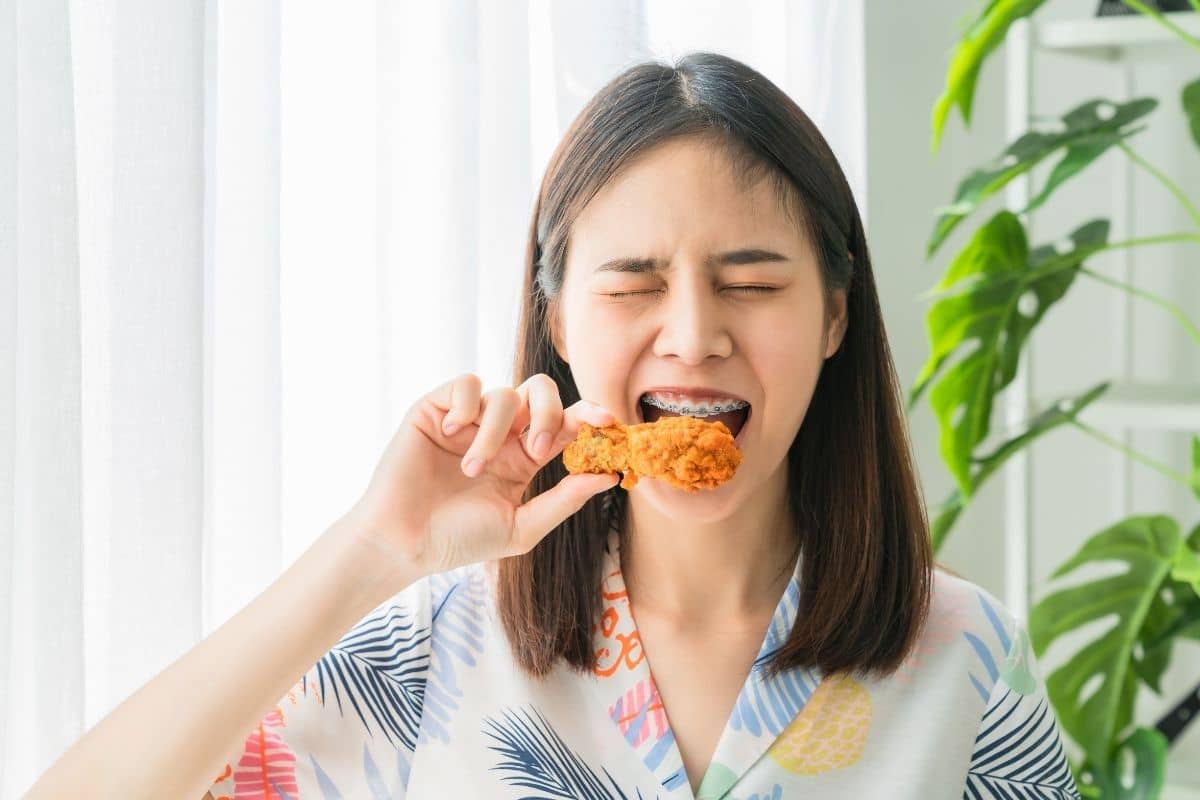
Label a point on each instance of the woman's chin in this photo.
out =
(702, 505)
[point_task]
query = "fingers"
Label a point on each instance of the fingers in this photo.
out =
(503, 411)
(582, 411)
(498, 407)
(543, 407)
(460, 399)
(541, 514)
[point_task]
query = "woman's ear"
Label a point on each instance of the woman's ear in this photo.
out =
(838, 322)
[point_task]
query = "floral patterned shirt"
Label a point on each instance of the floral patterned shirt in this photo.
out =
(422, 699)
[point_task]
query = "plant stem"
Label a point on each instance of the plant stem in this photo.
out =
(1137, 5)
(1161, 239)
(1167, 182)
(1166, 305)
(1135, 455)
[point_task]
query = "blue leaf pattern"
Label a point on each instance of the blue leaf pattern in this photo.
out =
(380, 668)
(375, 782)
(458, 604)
(283, 795)
(537, 758)
(403, 767)
(776, 793)
(985, 653)
(328, 790)
(769, 706)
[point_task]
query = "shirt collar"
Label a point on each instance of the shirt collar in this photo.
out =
(762, 713)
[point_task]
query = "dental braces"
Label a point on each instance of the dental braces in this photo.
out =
(700, 410)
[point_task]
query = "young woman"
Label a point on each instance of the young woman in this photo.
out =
(481, 624)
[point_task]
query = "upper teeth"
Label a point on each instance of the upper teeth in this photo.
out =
(696, 406)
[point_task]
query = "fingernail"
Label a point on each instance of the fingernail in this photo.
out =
(472, 467)
(450, 428)
(609, 482)
(541, 445)
(598, 413)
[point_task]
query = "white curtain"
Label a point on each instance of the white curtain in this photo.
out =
(237, 241)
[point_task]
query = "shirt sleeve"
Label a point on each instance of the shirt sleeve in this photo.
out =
(1018, 750)
(349, 725)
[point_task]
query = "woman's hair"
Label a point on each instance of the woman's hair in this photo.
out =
(860, 519)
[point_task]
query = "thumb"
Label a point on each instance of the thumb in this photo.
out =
(541, 514)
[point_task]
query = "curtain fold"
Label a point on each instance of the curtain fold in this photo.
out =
(40, 394)
(237, 242)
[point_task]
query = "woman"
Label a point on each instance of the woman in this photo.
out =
(469, 625)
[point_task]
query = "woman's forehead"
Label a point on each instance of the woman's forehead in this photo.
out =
(680, 195)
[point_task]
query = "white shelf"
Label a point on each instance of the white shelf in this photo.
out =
(1146, 406)
(1111, 38)
(1127, 405)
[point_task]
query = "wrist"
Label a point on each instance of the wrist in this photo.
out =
(377, 568)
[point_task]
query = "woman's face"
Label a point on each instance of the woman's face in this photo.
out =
(688, 323)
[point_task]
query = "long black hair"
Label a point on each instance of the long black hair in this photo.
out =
(861, 524)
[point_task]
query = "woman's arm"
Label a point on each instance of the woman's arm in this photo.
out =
(183, 725)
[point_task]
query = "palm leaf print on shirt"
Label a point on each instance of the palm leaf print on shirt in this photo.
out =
(1018, 752)
(267, 767)
(768, 707)
(457, 601)
(535, 757)
(986, 658)
(372, 777)
(379, 669)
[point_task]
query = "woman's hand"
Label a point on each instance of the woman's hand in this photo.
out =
(447, 490)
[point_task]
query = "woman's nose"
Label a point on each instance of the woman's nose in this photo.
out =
(693, 324)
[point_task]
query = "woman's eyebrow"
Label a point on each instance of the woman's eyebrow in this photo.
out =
(731, 258)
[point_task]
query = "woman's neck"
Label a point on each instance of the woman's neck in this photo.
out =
(722, 573)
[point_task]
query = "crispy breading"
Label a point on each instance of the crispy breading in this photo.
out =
(686, 452)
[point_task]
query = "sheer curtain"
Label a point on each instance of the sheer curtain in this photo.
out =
(237, 241)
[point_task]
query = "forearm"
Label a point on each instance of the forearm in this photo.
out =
(172, 736)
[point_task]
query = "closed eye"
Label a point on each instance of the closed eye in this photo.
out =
(628, 294)
(748, 289)
(754, 289)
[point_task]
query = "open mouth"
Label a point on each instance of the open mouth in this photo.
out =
(734, 420)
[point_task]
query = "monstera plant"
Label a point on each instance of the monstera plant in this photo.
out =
(993, 293)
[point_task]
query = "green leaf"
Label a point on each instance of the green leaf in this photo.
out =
(1057, 413)
(1187, 567)
(1079, 154)
(1171, 613)
(1141, 778)
(1089, 131)
(1191, 107)
(981, 38)
(1006, 292)
(1179, 616)
(1147, 546)
(1186, 624)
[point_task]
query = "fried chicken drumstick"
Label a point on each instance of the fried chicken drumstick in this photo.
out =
(686, 452)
